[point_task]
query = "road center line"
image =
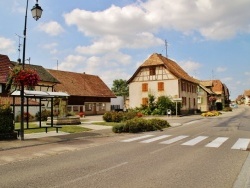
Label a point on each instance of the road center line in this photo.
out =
(93, 174)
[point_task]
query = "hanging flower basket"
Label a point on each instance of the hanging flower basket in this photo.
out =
(18, 76)
(212, 99)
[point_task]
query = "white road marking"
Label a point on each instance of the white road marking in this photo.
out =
(174, 139)
(137, 138)
(217, 142)
(241, 143)
(195, 141)
(155, 139)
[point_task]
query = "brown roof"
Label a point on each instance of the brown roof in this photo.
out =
(80, 84)
(4, 100)
(247, 93)
(158, 60)
(217, 86)
(5, 65)
(207, 83)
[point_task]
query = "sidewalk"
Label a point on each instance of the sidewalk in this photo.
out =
(96, 130)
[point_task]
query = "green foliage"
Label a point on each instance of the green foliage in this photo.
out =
(26, 116)
(158, 107)
(136, 125)
(151, 103)
(107, 117)
(164, 103)
(6, 122)
(120, 88)
(227, 109)
(44, 115)
(118, 116)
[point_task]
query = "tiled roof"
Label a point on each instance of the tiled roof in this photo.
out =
(207, 83)
(44, 75)
(157, 59)
(217, 86)
(80, 84)
(5, 65)
(4, 100)
(247, 93)
(209, 91)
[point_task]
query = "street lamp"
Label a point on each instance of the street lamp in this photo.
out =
(36, 13)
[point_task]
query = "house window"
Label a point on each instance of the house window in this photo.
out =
(88, 107)
(184, 102)
(145, 101)
(160, 86)
(102, 106)
(194, 102)
(145, 87)
(183, 86)
(152, 71)
(199, 100)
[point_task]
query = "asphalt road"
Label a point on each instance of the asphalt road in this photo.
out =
(209, 152)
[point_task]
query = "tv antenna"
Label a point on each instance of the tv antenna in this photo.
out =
(19, 45)
(166, 45)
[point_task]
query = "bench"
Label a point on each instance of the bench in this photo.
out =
(46, 129)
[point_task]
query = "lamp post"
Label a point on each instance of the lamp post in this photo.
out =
(36, 13)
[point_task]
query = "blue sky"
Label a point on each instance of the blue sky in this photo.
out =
(209, 39)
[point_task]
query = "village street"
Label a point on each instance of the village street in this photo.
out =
(195, 152)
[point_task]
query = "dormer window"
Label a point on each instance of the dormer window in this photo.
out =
(152, 71)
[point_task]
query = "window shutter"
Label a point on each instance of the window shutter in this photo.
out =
(160, 86)
(144, 87)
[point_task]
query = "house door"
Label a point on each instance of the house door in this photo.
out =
(94, 108)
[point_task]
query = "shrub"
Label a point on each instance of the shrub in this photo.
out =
(118, 128)
(44, 115)
(227, 109)
(117, 117)
(26, 116)
(159, 123)
(141, 125)
(6, 122)
(107, 117)
(129, 115)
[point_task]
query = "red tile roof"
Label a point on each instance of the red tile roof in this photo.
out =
(4, 100)
(81, 84)
(5, 63)
(247, 93)
(157, 59)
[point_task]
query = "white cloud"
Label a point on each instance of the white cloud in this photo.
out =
(190, 67)
(247, 73)
(7, 45)
(50, 45)
(71, 62)
(213, 19)
(221, 69)
(51, 28)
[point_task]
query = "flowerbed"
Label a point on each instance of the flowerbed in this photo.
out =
(211, 113)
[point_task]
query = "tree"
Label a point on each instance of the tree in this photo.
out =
(120, 88)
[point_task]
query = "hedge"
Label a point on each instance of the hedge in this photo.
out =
(136, 125)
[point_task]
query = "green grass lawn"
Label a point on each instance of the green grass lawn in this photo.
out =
(34, 128)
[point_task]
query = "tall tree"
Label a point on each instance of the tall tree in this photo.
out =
(120, 88)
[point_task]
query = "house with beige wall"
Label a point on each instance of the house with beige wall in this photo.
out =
(161, 76)
(246, 96)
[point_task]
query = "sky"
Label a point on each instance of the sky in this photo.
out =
(209, 39)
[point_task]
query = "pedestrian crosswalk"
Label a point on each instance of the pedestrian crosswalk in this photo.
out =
(240, 144)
